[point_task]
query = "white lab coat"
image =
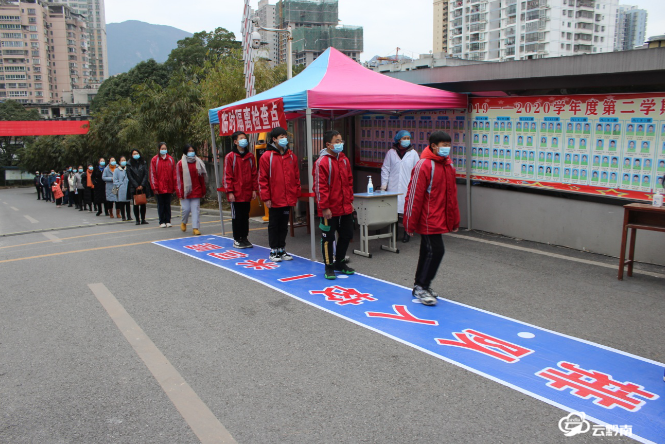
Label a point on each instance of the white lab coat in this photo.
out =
(396, 174)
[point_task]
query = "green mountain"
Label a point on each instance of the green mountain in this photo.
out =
(133, 41)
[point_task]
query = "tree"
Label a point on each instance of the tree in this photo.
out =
(42, 154)
(122, 85)
(11, 145)
(202, 46)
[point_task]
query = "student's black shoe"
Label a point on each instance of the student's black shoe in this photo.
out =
(343, 268)
(246, 243)
(238, 244)
(143, 222)
(138, 222)
(80, 209)
(406, 238)
(98, 213)
(330, 272)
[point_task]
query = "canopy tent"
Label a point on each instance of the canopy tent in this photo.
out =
(336, 82)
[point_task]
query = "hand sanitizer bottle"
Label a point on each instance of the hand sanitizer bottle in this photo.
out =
(370, 186)
(657, 199)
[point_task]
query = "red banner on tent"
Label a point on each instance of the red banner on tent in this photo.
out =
(255, 117)
(43, 127)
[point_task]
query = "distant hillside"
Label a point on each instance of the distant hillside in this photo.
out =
(133, 41)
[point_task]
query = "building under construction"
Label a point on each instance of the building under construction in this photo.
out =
(315, 28)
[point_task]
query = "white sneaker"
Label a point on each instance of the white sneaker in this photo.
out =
(168, 225)
(162, 225)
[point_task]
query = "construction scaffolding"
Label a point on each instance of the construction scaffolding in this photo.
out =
(307, 12)
(320, 38)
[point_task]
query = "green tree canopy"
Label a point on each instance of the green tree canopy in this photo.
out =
(10, 145)
(202, 46)
(122, 85)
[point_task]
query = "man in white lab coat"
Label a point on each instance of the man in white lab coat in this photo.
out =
(396, 169)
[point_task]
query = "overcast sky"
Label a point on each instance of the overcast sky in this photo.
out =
(388, 23)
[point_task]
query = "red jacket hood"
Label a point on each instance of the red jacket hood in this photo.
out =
(428, 154)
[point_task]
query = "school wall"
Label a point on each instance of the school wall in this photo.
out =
(594, 227)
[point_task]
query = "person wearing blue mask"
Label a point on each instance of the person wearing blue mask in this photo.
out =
(241, 183)
(137, 173)
(333, 191)
(279, 188)
(431, 210)
(99, 191)
(397, 167)
(191, 180)
(78, 187)
(162, 182)
(121, 184)
(88, 187)
(107, 177)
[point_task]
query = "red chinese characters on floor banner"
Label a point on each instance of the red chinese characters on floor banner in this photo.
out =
(255, 117)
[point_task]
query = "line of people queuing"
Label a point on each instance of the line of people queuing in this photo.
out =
(101, 186)
(428, 206)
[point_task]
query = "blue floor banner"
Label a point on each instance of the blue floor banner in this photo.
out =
(621, 393)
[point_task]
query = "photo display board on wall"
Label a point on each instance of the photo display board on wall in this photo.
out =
(610, 145)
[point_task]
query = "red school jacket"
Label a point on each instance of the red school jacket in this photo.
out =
(162, 175)
(240, 175)
(198, 181)
(431, 201)
(279, 177)
(333, 184)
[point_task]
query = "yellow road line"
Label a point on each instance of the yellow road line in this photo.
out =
(104, 248)
(99, 234)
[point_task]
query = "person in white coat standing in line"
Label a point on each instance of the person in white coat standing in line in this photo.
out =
(396, 169)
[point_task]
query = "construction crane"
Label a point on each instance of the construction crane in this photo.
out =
(396, 59)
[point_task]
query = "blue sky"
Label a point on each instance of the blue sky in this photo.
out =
(388, 24)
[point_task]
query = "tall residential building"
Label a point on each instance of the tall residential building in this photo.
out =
(440, 37)
(497, 30)
(266, 17)
(631, 26)
(315, 25)
(44, 52)
(95, 18)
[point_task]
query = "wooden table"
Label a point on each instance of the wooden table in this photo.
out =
(638, 217)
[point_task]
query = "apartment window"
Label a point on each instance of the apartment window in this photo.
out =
(563, 46)
(32, 11)
(569, 24)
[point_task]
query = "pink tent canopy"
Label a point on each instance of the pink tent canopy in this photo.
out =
(336, 82)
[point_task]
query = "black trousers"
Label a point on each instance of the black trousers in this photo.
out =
(58, 201)
(431, 254)
(124, 207)
(343, 225)
(140, 208)
(164, 208)
(108, 206)
(278, 227)
(39, 192)
(240, 219)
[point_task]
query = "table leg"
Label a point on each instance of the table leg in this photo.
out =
(622, 254)
(631, 251)
(364, 243)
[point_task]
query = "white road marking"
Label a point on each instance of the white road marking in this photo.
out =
(197, 415)
(32, 220)
(554, 255)
(52, 237)
(14, 208)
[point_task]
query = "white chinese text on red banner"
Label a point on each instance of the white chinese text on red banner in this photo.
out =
(255, 117)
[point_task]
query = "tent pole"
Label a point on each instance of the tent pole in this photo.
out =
(310, 183)
(469, 159)
(217, 179)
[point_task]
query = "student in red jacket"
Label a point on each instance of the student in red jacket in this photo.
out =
(162, 182)
(333, 190)
(431, 209)
(191, 176)
(241, 183)
(279, 188)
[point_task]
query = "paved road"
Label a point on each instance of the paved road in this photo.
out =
(269, 368)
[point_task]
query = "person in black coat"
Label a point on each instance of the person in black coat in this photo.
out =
(88, 187)
(99, 193)
(38, 185)
(137, 173)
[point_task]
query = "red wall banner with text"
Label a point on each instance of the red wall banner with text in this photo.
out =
(255, 117)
